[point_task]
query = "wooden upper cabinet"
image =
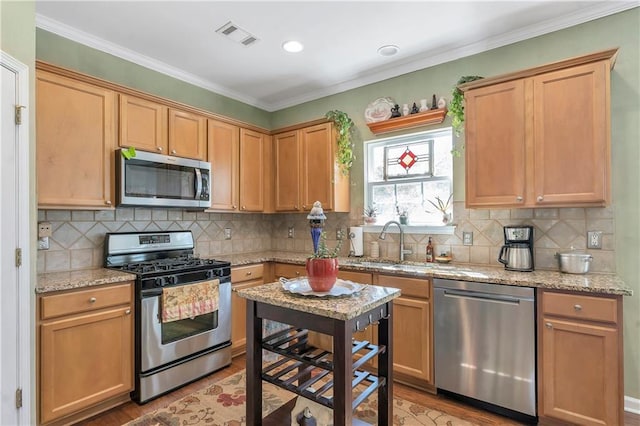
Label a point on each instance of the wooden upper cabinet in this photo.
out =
(540, 137)
(495, 145)
(187, 134)
(252, 173)
(287, 171)
(143, 124)
(224, 155)
(306, 170)
(75, 140)
(572, 135)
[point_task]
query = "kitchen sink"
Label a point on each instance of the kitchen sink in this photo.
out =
(399, 267)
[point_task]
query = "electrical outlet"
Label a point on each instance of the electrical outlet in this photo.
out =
(594, 239)
(227, 233)
(291, 232)
(467, 238)
(44, 229)
(340, 234)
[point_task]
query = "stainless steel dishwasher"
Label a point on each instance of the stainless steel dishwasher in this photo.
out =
(485, 344)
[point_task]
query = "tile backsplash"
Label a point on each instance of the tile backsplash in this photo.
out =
(77, 241)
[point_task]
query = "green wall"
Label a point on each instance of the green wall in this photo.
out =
(621, 30)
(69, 54)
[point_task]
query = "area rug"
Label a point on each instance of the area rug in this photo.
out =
(223, 404)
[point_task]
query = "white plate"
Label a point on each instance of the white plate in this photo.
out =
(301, 286)
(379, 110)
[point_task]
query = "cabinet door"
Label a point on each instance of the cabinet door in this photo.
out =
(187, 135)
(85, 359)
(143, 124)
(251, 171)
(224, 156)
(411, 341)
(580, 373)
(317, 166)
(75, 139)
(572, 136)
(287, 172)
(495, 145)
(239, 317)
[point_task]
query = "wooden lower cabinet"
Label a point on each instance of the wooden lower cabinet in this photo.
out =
(580, 359)
(85, 352)
(412, 330)
(242, 277)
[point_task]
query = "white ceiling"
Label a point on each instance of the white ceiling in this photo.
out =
(341, 38)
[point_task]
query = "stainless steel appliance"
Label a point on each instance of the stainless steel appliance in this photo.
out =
(517, 252)
(485, 345)
(171, 354)
(150, 179)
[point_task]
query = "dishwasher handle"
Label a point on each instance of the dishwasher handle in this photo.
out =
(482, 296)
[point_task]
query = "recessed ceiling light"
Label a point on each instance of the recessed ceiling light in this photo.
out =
(292, 46)
(388, 50)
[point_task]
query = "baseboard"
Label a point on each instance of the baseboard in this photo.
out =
(632, 405)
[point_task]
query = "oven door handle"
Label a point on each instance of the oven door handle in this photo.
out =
(154, 292)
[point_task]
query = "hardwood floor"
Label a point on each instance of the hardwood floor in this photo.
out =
(130, 411)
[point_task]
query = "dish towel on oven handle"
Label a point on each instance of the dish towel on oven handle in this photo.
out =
(189, 300)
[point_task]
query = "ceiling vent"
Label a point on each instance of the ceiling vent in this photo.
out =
(234, 33)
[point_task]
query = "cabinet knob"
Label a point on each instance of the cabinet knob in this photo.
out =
(577, 308)
(248, 273)
(92, 300)
(540, 198)
(243, 208)
(173, 151)
(519, 198)
(304, 207)
(234, 207)
(548, 325)
(295, 207)
(127, 312)
(159, 149)
(297, 273)
(107, 202)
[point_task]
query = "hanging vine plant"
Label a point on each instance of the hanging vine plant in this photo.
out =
(344, 126)
(456, 108)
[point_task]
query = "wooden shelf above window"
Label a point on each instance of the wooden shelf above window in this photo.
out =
(434, 116)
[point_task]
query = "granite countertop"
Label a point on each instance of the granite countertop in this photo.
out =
(57, 281)
(340, 308)
(587, 283)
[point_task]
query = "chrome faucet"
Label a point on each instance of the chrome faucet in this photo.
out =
(383, 235)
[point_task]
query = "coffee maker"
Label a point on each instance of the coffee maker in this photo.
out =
(517, 252)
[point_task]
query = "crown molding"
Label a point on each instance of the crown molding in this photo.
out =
(586, 14)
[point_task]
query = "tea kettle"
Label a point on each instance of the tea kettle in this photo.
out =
(516, 257)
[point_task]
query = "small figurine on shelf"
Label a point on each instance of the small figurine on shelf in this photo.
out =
(423, 105)
(434, 103)
(405, 109)
(414, 109)
(395, 111)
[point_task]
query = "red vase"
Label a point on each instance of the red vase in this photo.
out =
(322, 273)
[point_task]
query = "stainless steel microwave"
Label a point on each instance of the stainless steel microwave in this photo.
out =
(150, 179)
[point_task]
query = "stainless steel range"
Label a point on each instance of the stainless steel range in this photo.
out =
(171, 353)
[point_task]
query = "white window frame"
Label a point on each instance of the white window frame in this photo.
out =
(407, 138)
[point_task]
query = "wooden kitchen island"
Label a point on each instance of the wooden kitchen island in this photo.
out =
(332, 379)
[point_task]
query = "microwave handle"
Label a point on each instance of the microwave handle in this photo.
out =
(198, 183)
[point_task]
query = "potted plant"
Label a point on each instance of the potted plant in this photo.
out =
(403, 215)
(456, 108)
(344, 126)
(370, 215)
(322, 266)
(443, 207)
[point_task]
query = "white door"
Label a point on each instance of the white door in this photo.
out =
(15, 317)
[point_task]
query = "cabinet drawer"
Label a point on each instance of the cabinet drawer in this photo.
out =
(356, 277)
(287, 270)
(578, 306)
(413, 287)
(249, 272)
(85, 300)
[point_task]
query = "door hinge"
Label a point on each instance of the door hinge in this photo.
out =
(18, 398)
(18, 257)
(19, 114)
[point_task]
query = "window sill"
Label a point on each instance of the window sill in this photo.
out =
(412, 229)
